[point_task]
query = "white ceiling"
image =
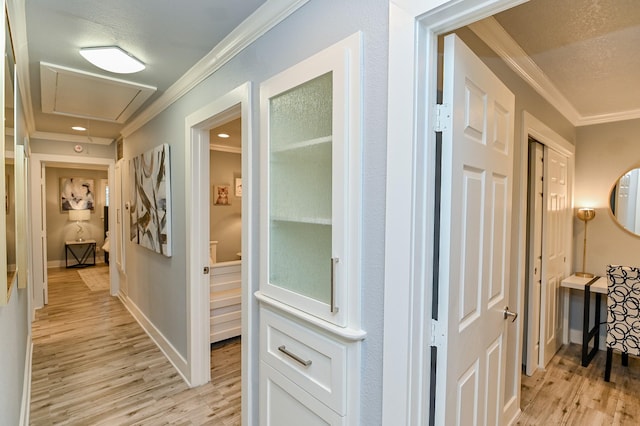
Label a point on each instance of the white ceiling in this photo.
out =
(582, 55)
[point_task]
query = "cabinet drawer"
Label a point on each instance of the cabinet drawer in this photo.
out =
(310, 359)
(283, 403)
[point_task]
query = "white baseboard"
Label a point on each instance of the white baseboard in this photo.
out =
(515, 416)
(25, 407)
(510, 407)
(174, 357)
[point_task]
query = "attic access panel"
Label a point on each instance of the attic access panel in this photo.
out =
(77, 93)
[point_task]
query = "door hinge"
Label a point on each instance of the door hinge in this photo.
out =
(437, 336)
(443, 117)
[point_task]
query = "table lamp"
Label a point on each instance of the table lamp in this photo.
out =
(78, 216)
(585, 214)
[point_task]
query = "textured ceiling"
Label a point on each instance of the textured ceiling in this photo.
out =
(590, 49)
(168, 36)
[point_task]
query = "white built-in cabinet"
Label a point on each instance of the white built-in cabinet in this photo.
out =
(310, 334)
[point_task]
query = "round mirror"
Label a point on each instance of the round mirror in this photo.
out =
(624, 201)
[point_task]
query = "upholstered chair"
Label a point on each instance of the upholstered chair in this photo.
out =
(623, 314)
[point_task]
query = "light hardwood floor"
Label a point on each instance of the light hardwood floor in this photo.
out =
(94, 365)
(568, 394)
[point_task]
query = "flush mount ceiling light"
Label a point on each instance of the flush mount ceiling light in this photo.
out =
(79, 128)
(223, 135)
(113, 59)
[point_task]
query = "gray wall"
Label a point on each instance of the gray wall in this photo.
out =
(15, 338)
(604, 152)
(225, 224)
(45, 146)
(59, 229)
(157, 284)
(15, 329)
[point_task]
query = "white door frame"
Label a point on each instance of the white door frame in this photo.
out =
(37, 162)
(197, 125)
(414, 28)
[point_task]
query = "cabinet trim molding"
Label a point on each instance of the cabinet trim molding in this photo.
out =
(345, 333)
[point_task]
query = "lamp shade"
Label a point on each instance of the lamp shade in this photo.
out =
(586, 213)
(79, 215)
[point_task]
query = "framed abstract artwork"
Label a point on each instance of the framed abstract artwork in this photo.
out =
(150, 207)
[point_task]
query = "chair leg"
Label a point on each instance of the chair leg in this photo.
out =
(625, 359)
(607, 368)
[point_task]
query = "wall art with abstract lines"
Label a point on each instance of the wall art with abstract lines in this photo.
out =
(150, 205)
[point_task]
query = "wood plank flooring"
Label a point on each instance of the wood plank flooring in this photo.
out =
(94, 365)
(568, 394)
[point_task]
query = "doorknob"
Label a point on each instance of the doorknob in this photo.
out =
(507, 313)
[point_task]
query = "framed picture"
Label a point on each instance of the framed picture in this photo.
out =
(76, 193)
(221, 195)
(238, 187)
(150, 205)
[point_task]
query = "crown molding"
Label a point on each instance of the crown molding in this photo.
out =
(608, 118)
(62, 137)
(497, 38)
(262, 20)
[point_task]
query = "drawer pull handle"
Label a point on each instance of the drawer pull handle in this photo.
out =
(285, 351)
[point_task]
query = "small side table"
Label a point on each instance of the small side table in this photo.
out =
(81, 252)
(598, 286)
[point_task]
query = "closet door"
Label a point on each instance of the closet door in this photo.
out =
(555, 221)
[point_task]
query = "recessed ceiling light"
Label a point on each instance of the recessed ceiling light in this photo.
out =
(113, 59)
(223, 135)
(79, 128)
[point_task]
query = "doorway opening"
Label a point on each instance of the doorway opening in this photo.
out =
(60, 185)
(200, 205)
(413, 165)
(225, 248)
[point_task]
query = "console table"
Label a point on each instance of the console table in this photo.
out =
(597, 286)
(82, 252)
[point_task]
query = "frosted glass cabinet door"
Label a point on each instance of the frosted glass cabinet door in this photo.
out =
(300, 189)
(306, 121)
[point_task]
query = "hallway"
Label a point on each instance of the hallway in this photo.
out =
(94, 365)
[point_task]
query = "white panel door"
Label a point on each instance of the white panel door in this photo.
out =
(536, 208)
(554, 254)
(476, 185)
